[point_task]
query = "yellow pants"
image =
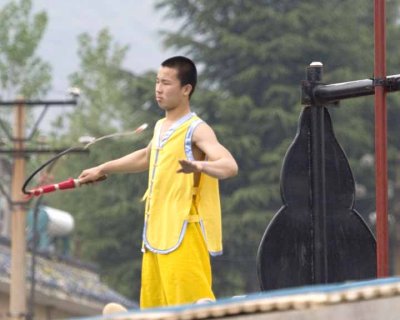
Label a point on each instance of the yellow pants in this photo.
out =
(182, 276)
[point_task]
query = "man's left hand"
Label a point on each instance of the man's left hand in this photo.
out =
(188, 166)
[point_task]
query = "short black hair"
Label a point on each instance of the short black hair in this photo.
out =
(187, 72)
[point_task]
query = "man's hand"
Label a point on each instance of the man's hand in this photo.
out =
(91, 175)
(190, 166)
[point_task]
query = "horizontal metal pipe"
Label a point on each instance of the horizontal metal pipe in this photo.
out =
(32, 103)
(352, 89)
(29, 151)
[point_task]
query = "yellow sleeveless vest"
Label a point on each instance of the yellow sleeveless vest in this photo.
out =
(172, 201)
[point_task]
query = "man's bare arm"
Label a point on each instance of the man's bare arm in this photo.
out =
(219, 162)
(137, 161)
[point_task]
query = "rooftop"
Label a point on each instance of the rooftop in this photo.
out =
(62, 282)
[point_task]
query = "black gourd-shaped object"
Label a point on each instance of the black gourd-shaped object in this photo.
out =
(317, 236)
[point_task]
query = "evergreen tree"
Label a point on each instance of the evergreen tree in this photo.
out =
(253, 55)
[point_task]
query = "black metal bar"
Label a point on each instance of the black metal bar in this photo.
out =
(38, 120)
(329, 93)
(33, 130)
(28, 151)
(33, 103)
(334, 92)
(5, 129)
(318, 183)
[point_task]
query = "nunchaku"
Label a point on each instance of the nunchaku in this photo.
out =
(70, 183)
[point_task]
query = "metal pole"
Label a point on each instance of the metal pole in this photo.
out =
(381, 140)
(318, 181)
(35, 241)
(17, 309)
(18, 243)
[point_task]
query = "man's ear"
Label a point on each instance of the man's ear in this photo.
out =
(187, 89)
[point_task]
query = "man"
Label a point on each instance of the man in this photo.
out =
(182, 213)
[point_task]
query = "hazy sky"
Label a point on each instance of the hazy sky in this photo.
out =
(132, 22)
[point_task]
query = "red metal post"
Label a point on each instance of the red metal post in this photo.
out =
(381, 180)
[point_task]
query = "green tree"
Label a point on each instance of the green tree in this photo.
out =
(253, 56)
(22, 72)
(109, 215)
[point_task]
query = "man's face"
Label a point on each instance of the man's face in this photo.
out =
(169, 92)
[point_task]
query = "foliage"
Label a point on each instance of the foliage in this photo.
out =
(21, 71)
(109, 215)
(253, 56)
